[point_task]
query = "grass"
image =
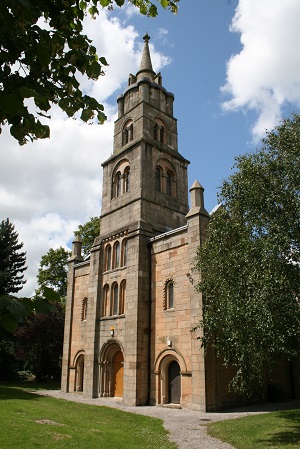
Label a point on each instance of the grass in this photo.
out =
(31, 421)
(276, 430)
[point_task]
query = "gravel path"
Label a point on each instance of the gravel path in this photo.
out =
(186, 428)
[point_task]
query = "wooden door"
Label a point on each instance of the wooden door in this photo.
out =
(118, 374)
(174, 383)
(79, 373)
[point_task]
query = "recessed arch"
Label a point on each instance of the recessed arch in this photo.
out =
(165, 177)
(120, 178)
(169, 290)
(84, 308)
(105, 301)
(169, 366)
(79, 371)
(111, 362)
(159, 130)
(127, 131)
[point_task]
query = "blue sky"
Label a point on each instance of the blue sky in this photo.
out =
(229, 86)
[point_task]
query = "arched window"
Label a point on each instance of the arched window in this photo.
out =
(159, 131)
(162, 134)
(84, 309)
(156, 131)
(169, 295)
(121, 179)
(124, 252)
(116, 255)
(128, 132)
(107, 257)
(169, 183)
(126, 179)
(118, 184)
(115, 299)
(165, 177)
(122, 297)
(158, 173)
(105, 301)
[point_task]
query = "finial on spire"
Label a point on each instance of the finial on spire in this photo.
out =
(146, 37)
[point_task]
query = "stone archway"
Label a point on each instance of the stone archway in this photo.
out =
(79, 373)
(169, 367)
(111, 363)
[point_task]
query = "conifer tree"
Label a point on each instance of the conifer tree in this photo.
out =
(12, 261)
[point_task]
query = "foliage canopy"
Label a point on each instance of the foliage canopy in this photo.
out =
(53, 270)
(42, 51)
(250, 262)
(88, 232)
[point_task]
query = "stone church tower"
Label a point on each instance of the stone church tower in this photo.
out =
(131, 306)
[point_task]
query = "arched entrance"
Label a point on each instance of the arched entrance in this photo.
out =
(174, 384)
(169, 368)
(79, 373)
(111, 362)
(118, 375)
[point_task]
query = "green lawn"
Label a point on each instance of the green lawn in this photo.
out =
(276, 430)
(29, 421)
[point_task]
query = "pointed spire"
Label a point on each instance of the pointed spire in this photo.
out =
(146, 69)
(146, 63)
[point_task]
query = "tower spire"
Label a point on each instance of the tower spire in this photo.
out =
(146, 64)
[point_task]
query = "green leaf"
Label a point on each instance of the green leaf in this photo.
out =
(51, 295)
(43, 55)
(11, 104)
(164, 3)
(87, 114)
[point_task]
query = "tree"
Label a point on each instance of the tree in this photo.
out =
(43, 49)
(88, 232)
(12, 261)
(39, 343)
(250, 262)
(53, 270)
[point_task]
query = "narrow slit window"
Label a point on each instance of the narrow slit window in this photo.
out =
(115, 299)
(158, 179)
(108, 258)
(116, 256)
(170, 295)
(169, 184)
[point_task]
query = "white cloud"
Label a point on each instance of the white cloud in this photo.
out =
(50, 186)
(264, 76)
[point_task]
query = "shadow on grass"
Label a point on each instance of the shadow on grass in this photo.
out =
(289, 433)
(9, 393)
(265, 407)
(24, 390)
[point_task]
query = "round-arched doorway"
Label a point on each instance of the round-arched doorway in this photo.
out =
(79, 373)
(111, 362)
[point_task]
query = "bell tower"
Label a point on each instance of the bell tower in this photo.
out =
(145, 180)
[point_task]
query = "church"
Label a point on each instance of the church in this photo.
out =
(132, 304)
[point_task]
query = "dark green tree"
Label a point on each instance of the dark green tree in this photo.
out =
(12, 261)
(88, 232)
(39, 343)
(43, 49)
(53, 270)
(250, 263)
